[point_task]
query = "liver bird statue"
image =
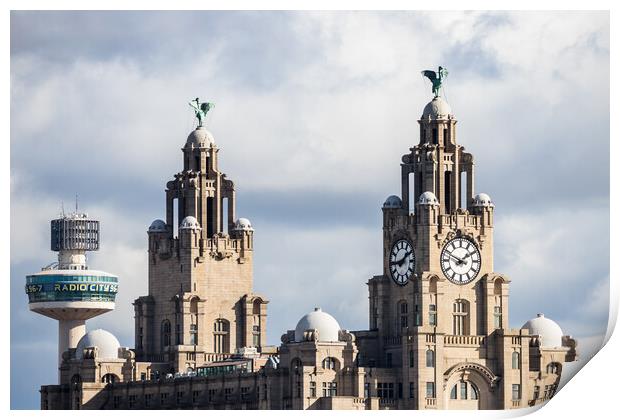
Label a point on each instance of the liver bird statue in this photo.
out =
(201, 109)
(436, 78)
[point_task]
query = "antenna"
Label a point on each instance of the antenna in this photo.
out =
(62, 208)
(76, 203)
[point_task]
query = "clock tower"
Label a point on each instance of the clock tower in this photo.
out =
(438, 283)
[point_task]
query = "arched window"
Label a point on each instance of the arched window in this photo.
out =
(430, 358)
(221, 336)
(76, 379)
(329, 363)
(464, 390)
(554, 368)
(296, 366)
(109, 378)
(256, 326)
(516, 360)
(460, 317)
(165, 333)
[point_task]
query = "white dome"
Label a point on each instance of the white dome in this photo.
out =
(190, 222)
(200, 137)
(393, 202)
(107, 345)
(428, 198)
(324, 323)
(483, 200)
(437, 109)
(243, 224)
(157, 226)
(549, 331)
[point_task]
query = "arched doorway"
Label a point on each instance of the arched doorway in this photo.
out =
(470, 386)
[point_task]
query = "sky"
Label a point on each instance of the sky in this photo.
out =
(313, 113)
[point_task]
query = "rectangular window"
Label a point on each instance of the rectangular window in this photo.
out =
(430, 358)
(177, 335)
(132, 401)
(497, 317)
(313, 389)
(245, 392)
(400, 390)
(516, 391)
(195, 396)
(430, 390)
(147, 399)
(179, 397)
(163, 398)
(536, 392)
(193, 335)
(367, 390)
(385, 390)
(411, 391)
(432, 315)
(227, 394)
(411, 358)
(329, 389)
(463, 390)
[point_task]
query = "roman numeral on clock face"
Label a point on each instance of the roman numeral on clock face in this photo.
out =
(460, 260)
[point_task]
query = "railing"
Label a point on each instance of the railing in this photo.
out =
(464, 340)
(516, 403)
(216, 357)
(387, 403)
(431, 402)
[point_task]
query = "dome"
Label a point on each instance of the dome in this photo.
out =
(428, 198)
(157, 226)
(324, 323)
(190, 222)
(437, 109)
(483, 200)
(243, 224)
(107, 345)
(549, 331)
(200, 137)
(393, 202)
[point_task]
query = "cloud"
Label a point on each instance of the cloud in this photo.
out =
(313, 113)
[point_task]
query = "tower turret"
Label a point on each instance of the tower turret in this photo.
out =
(68, 290)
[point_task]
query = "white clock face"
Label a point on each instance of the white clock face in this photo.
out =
(402, 261)
(460, 260)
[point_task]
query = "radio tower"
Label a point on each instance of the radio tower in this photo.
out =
(67, 290)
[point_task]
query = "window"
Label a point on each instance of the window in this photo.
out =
(163, 398)
(463, 390)
(165, 333)
(132, 401)
(553, 368)
(177, 335)
(298, 389)
(313, 389)
(497, 317)
(515, 360)
(400, 390)
(430, 390)
(228, 394)
(193, 335)
(297, 367)
(147, 399)
(256, 336)
(453, 393)
(329, 389)
(516, 391)
(460, 325)
(430, 358)
(117, 401)
(536, 392)
(179, 397)
(221, 340)
(411, 358)
(109, 378)
(366, 390)
(432, 315)
(195, 396)
(411, 391)
(329, 363)
(245, 392)
(404, 314)
(212, 393)
(385, 390)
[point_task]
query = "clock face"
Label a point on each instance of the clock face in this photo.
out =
(402, 261)
(460, 260)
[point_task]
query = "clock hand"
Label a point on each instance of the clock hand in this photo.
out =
(400, 262)
(458, 260)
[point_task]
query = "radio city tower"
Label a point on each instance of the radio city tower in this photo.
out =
(67, 290)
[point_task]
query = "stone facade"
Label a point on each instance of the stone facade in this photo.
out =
(438, 337)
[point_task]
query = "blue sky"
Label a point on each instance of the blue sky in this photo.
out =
(314, 111)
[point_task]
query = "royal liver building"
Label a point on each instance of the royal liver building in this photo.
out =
(439, 335)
